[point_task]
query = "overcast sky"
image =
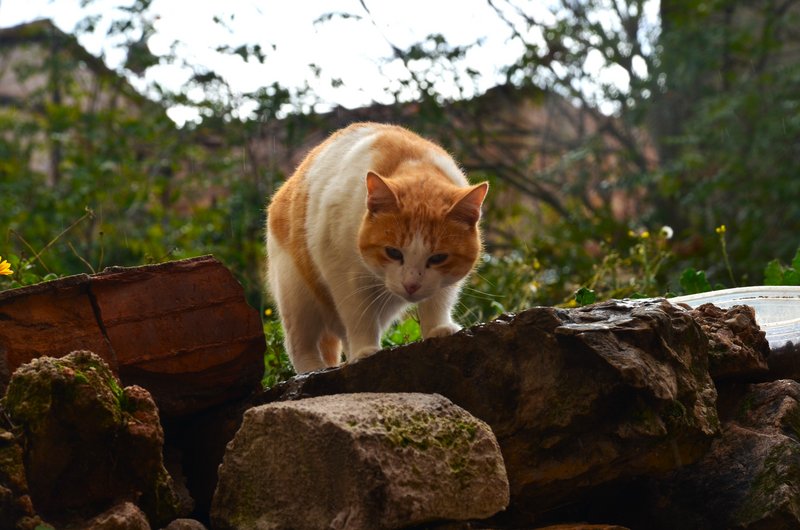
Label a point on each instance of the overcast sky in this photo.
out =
(347, 49)
(350, 50)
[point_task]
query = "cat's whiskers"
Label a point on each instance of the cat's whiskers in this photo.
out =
(369, 287)
(381, 294)
(484, 278)
(482, 295)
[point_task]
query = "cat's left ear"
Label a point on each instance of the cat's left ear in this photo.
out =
(380, 197)
(468, 208)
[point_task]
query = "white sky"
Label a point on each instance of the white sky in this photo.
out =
(350, 50)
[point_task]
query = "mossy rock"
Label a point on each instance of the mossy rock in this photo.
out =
(88, 441)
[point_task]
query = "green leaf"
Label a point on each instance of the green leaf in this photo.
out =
(585, 296)
(791, 276)
(773, 273)
(796, 261)
(403, 332)
(693, 281)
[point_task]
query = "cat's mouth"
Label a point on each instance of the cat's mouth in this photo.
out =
(409, 297)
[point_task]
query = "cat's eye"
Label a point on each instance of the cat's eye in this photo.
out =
(394, 253)
(437, 259)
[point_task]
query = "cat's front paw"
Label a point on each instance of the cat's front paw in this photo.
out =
(362, 353)
(444, 330)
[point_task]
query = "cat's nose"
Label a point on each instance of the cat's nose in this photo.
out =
(412, 287)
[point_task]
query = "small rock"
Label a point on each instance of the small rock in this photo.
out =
(123, 516)
(185, 524)
(737, 347)
(358, 461)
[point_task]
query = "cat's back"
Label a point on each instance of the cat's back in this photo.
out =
(328, 185)
(287, 209)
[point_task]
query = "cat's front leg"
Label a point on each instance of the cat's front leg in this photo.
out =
(363, 343)
(362, 322)
(435, 313)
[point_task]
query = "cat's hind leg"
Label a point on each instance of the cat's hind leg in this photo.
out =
(330, 346)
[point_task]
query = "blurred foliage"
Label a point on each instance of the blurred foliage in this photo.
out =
(276, 363)
(729, 120)
(701, 140)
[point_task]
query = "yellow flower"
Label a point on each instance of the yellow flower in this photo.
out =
(645, 234)
(5, 268)
(720, 229)
(268, 312)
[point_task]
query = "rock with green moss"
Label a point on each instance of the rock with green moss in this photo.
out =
(359, 461)
(88, 441)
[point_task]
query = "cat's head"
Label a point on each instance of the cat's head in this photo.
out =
(419, 236)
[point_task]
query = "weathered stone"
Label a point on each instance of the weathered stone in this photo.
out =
(182, 329)
(737, 347)
(88, 441)
(51, 318)
(185, 524)
(577, 398)
(16, 507)
(358, 461)
(123, 516)
(748, 480)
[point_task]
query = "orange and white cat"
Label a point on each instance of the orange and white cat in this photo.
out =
(373, 220)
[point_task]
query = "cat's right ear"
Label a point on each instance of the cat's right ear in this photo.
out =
(380, 197)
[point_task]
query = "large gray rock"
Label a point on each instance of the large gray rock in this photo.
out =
(577, 398)
(358, 461)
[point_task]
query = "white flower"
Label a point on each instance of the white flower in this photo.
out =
(667, 232)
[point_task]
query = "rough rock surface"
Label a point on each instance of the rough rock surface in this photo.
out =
(123, 516)
(749, 478)
(88, 442)
(182, 329)
(185, 524)
(577, 398)
(358, 461)
(16, 508)
(737, 347)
